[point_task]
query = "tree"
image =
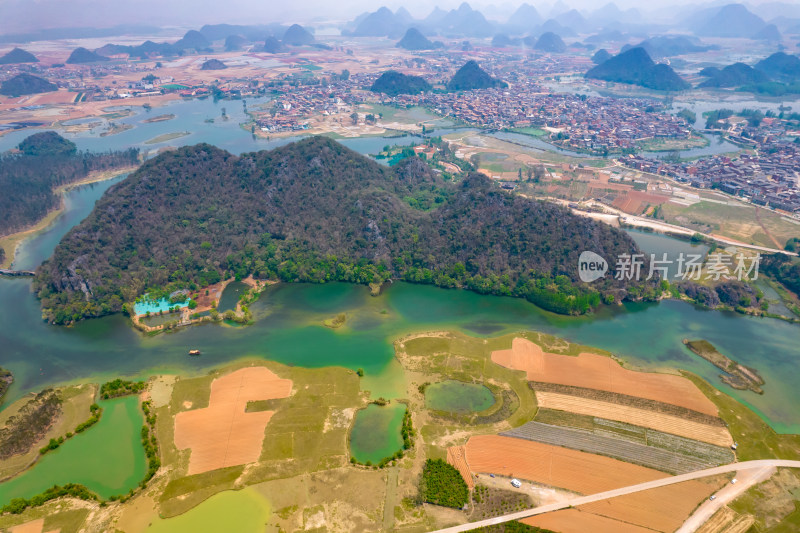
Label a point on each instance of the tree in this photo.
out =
(354, 118)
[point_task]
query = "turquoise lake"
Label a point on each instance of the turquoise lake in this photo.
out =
(288, 318)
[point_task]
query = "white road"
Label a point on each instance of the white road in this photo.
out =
(765, 464)
(745, 480)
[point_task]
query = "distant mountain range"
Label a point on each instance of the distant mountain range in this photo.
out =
(25, 83)
(393, 83)
(414, 40)
(670, 45)
(732, 20)
(550, 42)
(637, 68)
(601, 56)
(273, 45)
(471, 76)
(82, 55)
(734, 75)
(18, 55)
(213, 64)
(192, 40)
(461, 22)
(297, 35)
(776, 75)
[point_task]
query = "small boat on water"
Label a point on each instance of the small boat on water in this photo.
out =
(194, 352)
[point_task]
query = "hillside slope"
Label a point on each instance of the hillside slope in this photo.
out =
(316, 211)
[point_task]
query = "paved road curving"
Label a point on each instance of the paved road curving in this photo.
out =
(582, 500)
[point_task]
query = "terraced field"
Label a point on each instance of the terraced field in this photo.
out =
(630, 452)
(645, 436)
(716, 435)
(630, 401)
(603, 373)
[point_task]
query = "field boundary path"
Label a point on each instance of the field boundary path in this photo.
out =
(391, 498)
(582, 500)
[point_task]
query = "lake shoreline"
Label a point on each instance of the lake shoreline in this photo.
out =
(11, 242)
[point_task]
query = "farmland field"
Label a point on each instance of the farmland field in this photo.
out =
(640, 454)
(661, 509)
(716, 435)
(603, 373)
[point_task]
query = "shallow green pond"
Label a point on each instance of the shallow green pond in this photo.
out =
(107, 458)
(458, 397)
(230, 296)
(376, 432)
(243, 511)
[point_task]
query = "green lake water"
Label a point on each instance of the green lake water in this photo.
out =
(458, 397)
(243, 511)
(376, 432)
(107, 458)
(230, 296)
(289, 328)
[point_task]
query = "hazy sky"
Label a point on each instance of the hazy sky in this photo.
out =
(24, 15)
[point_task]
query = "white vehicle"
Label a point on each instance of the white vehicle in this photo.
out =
(712, 497)
(516, 483)
(733, 481)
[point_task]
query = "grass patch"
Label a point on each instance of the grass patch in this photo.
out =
(772, 503)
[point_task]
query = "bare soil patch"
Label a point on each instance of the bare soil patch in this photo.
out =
(604, 373)
(223, 434)
(577, 521)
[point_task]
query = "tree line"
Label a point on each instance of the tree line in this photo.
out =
(43, 162)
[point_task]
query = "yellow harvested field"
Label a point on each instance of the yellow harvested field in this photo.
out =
(598, 372)
(456, 456)
(223, 434)
(577, 521)
(717, 435)
(661, 509)
(726, 520)
(34, 526)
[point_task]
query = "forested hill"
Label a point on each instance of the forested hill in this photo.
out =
(45, 161)
(316, 211)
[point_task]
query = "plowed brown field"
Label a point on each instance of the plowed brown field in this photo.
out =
(576, 521)
(456, 457)
(603, 373)
(662, 509)
(716, 435)
(552, 465)
(222, 434)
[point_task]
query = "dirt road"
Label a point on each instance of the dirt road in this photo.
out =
(761, 465)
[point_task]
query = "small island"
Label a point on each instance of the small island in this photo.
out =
(335, 322)
(159, 118)
(736, 375)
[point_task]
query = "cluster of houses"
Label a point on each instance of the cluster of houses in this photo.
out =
(771, 177)
(294, 106)
(599, 125)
